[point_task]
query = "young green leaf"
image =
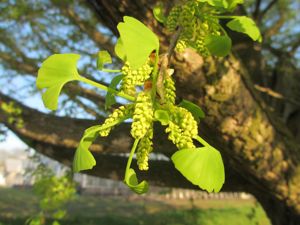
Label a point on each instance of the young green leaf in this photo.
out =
(110, 96)
(202, 166)
(132, 182)
(119, 50)
(193, 108)
(103, 58)
(218, 45)
(83, 159)
(138, 41)
(233, 3)
(158, 12)
(216, 3)
(245, 25)
(162, 116)
(54, 73)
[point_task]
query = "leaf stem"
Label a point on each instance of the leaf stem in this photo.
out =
(136, 141)
(105, 88)
(155, 74)
(225, 17)
(202, 141)
(111, 71)
(104, 126)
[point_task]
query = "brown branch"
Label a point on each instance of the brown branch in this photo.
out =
(84, 26)
(267, 8)
(257, 9)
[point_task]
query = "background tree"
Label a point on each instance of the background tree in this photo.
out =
(251, 98)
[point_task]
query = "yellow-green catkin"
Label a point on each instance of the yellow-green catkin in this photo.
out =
(172, 19)
(142, 115)
(133, 78)
(196, 24)
(144, 148)
(170, 94)
(118, 114)
(182, 128)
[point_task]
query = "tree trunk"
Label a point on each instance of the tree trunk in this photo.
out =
(257, 144)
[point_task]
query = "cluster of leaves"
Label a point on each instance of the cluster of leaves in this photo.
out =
(14, 113)
(134, 46)
(54, 193)
(201, 29)
(146, 82)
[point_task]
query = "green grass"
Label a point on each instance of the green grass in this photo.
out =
(17, 205)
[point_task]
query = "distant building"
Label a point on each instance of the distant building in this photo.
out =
(2, 180)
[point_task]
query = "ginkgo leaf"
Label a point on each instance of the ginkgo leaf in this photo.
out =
(162, 116)
(193, 108)
(245, 25)
(83, 159)
(201, 166)
(218, 45)
(103, 58)
(55, 72)
(119, 49)
(132, 182)
(233, 3)
(216, 3)
(158, 12)
(138, 41)
(110, 96)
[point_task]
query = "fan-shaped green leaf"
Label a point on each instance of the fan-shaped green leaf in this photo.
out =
(216, 3)
(202, 166)
(245, 25)
(103, 58)
(83, 159)
(54, 73)
(110, 96)
(132, 182)
(233, 3)
(158, 12)
(138, 41)
(218, 45)
(162, 116)
(193, 108)
(119, 49)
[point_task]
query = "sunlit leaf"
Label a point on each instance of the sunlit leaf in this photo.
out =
(138, 41)
(83, 159)
(162, 116)
(158, 12)
(132, 182)
(245, 25)
(202, 166)
(54, 73)
(110, 96)
(193, 108)
(233, 3)
(216, 3)
(103, 58)
(218, 45)
(119, 49)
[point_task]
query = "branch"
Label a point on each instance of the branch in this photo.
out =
(257, 9)
(268, 7)
(85, 27)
